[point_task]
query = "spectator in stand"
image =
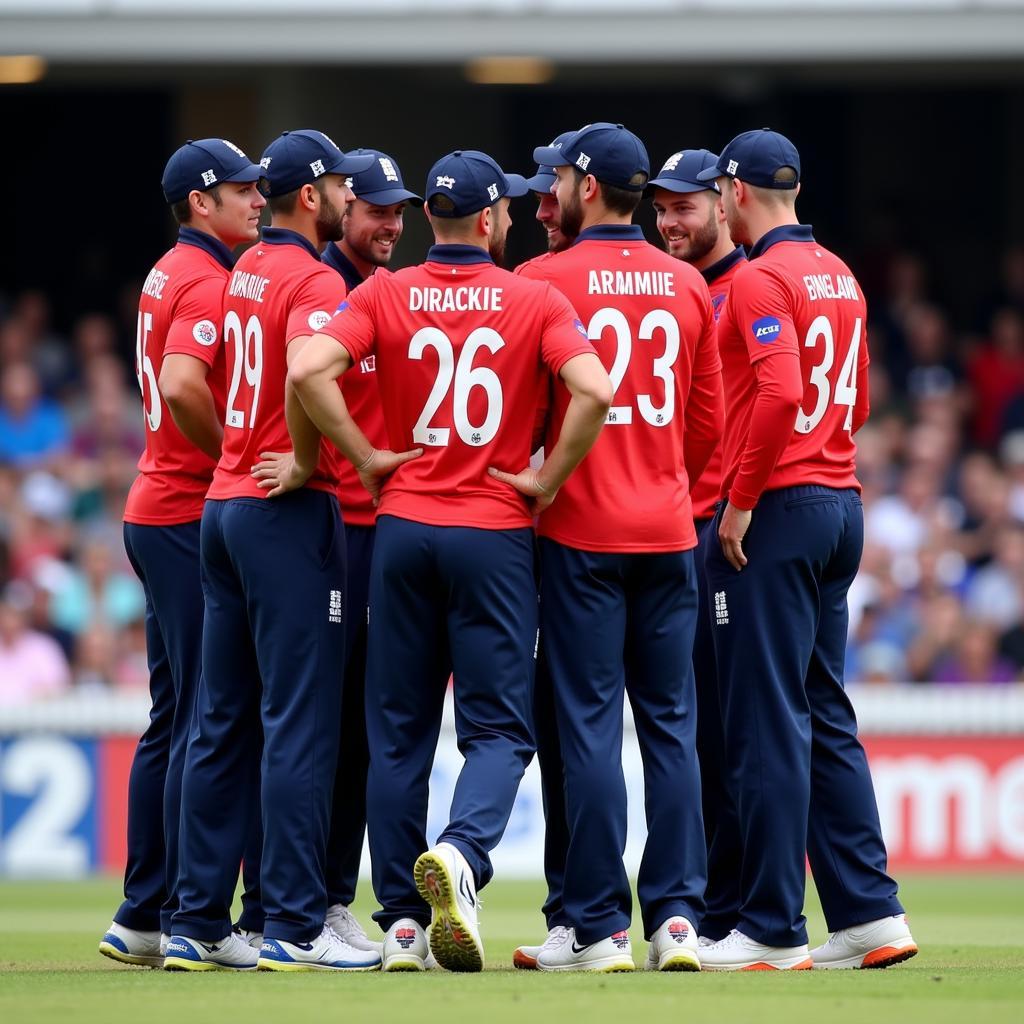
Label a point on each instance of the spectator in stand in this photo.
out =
(32, 665)
(97, 593)
(95, 663)
(975, 658)
(996, 374)
(941, 622)
(933, 369)
(32, 428)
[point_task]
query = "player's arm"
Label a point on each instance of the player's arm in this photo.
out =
(705, 404)
(184, 388)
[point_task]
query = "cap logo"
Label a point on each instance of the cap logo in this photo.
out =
(444, 181)
(732, 168)
(672, 162)
(234, 148)
(265, 162)
(317, 167)
(328, 138)
(348, 183)
(390, 174)
(209, 178)
(582, 161)
(492, 192)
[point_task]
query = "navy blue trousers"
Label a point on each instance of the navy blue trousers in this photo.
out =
(274, 580)
(721, 825)
(348, 812)
(166, 560)
(798, 774)
(618, 624)
(443, 599)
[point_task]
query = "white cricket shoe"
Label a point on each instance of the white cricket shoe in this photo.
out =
(227, 954)
(406, 947)
(344, 923)
(705, 940)
(445, 881)
(127, 946)
(607, 955)
(327, 952)
(674, 947)
(880, 943)
(739, 952)
(525, 957)
(250, 938)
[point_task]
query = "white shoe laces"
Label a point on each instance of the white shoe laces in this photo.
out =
(345, 924)
(556, 937)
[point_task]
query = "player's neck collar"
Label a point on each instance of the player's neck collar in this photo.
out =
(337, 260)
(785, 233)
(611, 233)
(285, 236)
(725, 264)
(451, 252)
(214, 246)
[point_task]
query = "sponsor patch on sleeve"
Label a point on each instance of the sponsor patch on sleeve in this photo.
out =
(341, 308)
(205, 332)
(319, 319)
(766, 330)
(578, 324)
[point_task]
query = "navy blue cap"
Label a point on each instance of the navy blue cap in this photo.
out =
(381, 183)
(204, 164)
(756, 157)
(545, 176)
(471, 180)
(679, 173)
(609, 152)
(298, 158)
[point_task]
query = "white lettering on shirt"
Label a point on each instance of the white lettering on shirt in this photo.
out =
(631, 282)
(824, 286)
(155, 281)
(248, 286)
(465, 299)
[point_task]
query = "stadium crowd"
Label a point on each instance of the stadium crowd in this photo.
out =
(940, 595)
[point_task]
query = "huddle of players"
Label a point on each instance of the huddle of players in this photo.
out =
(730, 599)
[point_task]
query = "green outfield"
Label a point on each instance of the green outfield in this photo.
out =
(971, 968)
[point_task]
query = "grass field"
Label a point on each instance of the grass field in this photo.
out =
(971, 968)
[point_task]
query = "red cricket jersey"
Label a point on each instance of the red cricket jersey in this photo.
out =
(463, 355)
(279, 291)
(793, 339)
(651, 321)
(362, 396)
(706, 492)
(180, 311)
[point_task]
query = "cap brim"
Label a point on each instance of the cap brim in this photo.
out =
(389, 197)
(550, 156)
(251, 173)
(678, 185)
(712, 174)
(352, 163)
(517, 186)
(541, 182)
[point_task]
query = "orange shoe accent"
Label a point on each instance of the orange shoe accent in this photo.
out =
(523, 962)
(886, 956)
(804, 965)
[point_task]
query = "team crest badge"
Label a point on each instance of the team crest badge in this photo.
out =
(319, 319)
(205, 332)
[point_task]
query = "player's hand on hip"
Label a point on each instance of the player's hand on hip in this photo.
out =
(379, 465)
(731, 531)
(278, 473)
(527, 484)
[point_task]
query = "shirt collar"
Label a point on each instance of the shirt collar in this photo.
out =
(786, 233)
(337, 260)
(612, 233)
(456, 253)
(724, 265)
(214, 246)
(285, 236)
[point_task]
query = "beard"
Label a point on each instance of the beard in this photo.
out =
(572, 216)
(703, 241)
(329, 222)
(365, 252)
(496, 248)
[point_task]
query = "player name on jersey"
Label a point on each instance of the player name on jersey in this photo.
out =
(631, 282)
(248, 286)
(156, 280)
(464, 299)
(825, 286)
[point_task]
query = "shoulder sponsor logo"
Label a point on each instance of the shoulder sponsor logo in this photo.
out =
(766, 330)
(342, 307)
(319, 319)
(444, 181)
(582, 161)
(578, 324)
(209, 177)
(205, 332)
(390, 174)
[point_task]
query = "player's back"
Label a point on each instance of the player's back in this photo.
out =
(278, 291)
(799, 297)
(650, 319)
(179, 313)
(463, 350)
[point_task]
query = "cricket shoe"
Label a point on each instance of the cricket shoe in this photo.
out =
(673, 947)
(250, 938)
(406, 947)
(127, 946)
(445, 881)
(739, 952)
(343, 921)
(880, 943)
(525, 957)
(327, 952)
(607, 955)
(228, 954)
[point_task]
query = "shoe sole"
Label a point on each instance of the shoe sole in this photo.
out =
(523, 961)
(877, 959)
(761, 965)
(451, 941)
(679, 960)
(607, 966)
(173, 963)
(408, 964)
(285, 968)
(130, 958)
